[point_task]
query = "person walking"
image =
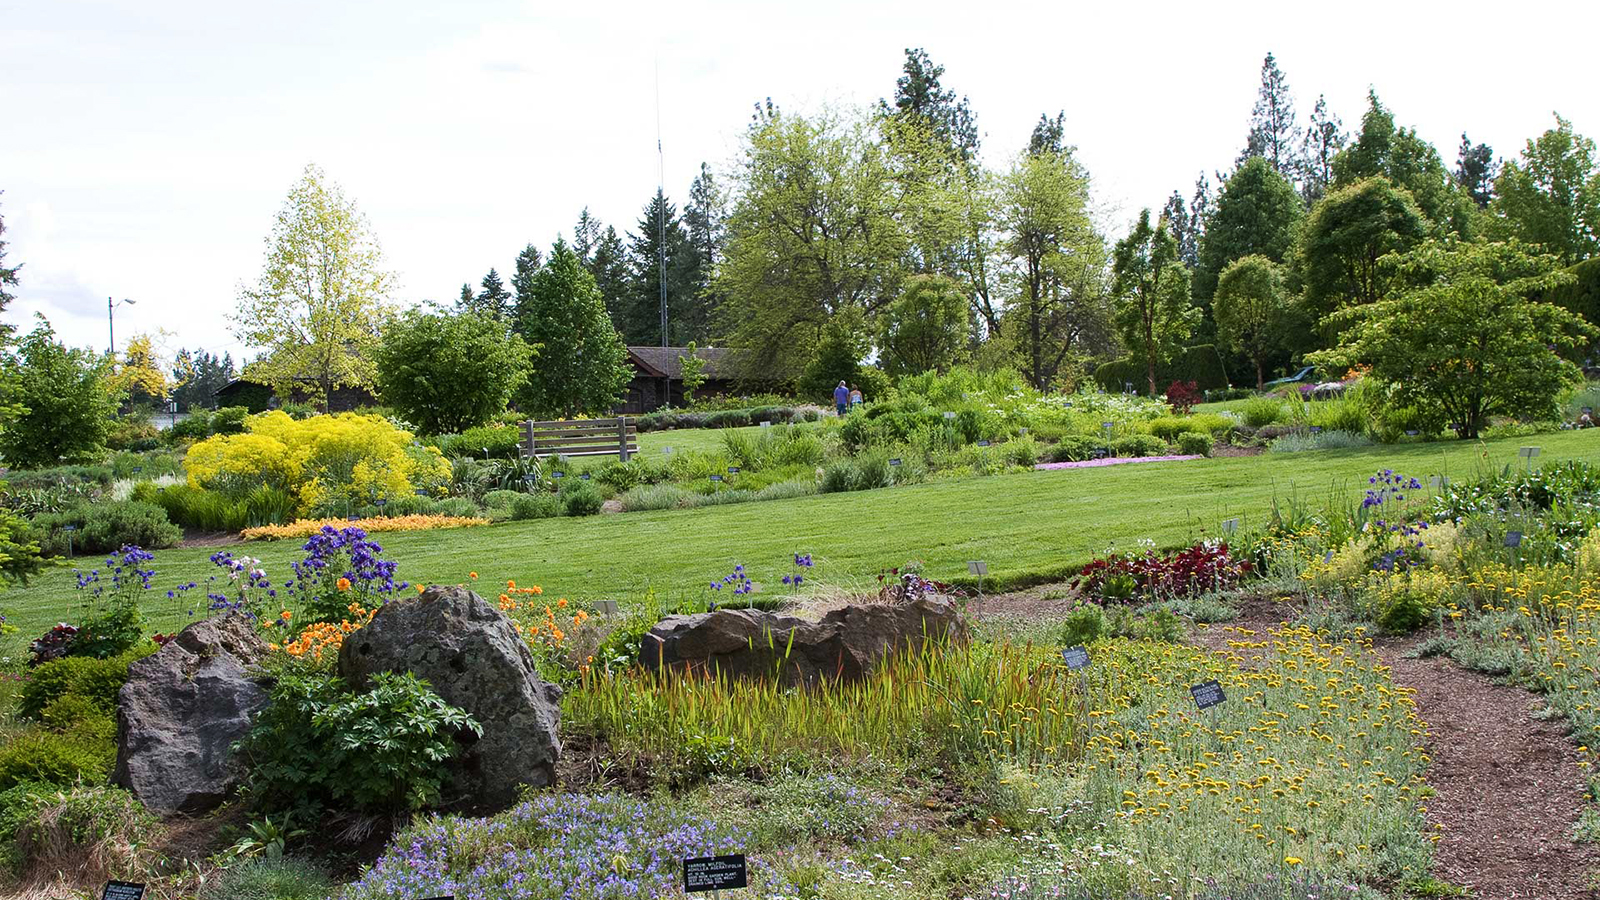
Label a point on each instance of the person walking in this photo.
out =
(841, 398)
(855, 396)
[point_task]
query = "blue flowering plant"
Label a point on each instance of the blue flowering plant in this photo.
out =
(341, 569)
(802, 564)
(1395, 524)
(110, 619)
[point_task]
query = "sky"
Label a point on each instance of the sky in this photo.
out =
(145, 146)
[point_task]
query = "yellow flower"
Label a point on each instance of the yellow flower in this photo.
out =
(343, 584)
(1293, 860)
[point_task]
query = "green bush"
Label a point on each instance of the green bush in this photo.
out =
(1075, 448)
(501, 441)
(1083, 626)
(205, 510)
(859, 473)
(58, 475)
(498, 499)
(655, 496)
(97, 681)
(133, 434)
(622, 476)
(318, 743)
(1138, 445)
(43, 756)
(536, 506)
(1023, 451)
(581, 499)
(1199, 364)
(1260, 412)
(105, 527)
(1169, 427)
(1193, 444)
(264, 878)
(100, 827)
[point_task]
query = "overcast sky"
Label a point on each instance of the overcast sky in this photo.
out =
(145, 146)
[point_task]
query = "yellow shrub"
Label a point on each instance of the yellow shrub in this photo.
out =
(306, 527)
(327, 462)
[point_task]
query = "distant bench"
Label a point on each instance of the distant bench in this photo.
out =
(585, 437)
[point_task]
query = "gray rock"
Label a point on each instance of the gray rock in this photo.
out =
(846, 644)
(472, 656)
(181, 711)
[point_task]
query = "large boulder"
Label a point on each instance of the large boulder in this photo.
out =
(845, 644)
(181, 711)
(473, 657)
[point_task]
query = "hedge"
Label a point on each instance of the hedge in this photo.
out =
(1199, 364)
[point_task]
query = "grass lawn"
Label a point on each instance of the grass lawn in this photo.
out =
(1026, 526)
(654, 444)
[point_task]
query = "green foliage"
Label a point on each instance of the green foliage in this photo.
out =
(1253, 311)
(692, 372)
(105, 526)
(1138, 445)
(925, 328)
(95, 680)
(498, 440)
(100, 827)
(1336, 257)
(1153, 314)
(67, 403)
(1083, 626)
(1194, 444)
(1474, 297)
(206, 510)
(843, 344)
(282, 878)
(448, 373)
(41, 756)
(580, 498)
(383, 750)
(582, 364)
(1260, 412)
(1550, 197)
(858, 473)
(1256, 215)
(1199, 364)
(536, 506)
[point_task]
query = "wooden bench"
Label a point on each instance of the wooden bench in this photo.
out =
(585, 437)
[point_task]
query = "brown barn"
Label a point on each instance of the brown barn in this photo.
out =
(658, 377)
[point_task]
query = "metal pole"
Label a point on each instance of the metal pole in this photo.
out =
(111, 331)
(661, 221)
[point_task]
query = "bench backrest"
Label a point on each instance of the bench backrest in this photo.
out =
(586, 437)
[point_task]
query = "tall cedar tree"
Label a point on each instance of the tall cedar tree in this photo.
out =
(197, 376)
(527, 266)
(1151, 291)
(1410, 163)
(1274, 134)
(1049, 135)
(918, 95)
(1475, 171)
(582, 364)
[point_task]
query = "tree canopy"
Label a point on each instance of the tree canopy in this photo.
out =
(1151, 290)
(582, 364)
(449, 372)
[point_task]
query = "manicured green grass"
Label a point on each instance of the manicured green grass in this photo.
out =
(1026, 526)
(653, 444)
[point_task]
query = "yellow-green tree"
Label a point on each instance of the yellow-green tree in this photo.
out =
(142, 373)
(321, 299)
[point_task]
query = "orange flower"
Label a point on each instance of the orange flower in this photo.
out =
(511, 585)
(420, 588)
(473, 575)
(286, 615)
(562, 603)
(343, 584)
(537, 589)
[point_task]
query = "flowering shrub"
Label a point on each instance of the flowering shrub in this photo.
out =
(110, 620)
(1182, 396)
(1206, 566)
(306, 527)
(566, 846)
(52, 644)
(327, 462)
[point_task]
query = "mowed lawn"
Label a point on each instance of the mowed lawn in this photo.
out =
(1024, 525)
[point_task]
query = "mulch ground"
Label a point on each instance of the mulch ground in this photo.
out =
(1508, 787)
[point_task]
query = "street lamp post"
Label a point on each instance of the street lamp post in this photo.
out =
(111, 323)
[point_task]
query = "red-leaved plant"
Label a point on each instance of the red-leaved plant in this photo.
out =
(1204, 567)
(1182, 396)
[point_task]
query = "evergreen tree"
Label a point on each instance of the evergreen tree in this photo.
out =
(528, 263)
(1324, 138)
(582, 364)
(197, 376)
(704, 219)
(1274, 135)
(918, 95)
(1257, 213)
(1409, 163)
(611, 274)
(493, 299)
(1185, 230)
(467, 300)
(8, 276)
(641, 315)
(1475, 171)
(1049, 135)
(586, 236)
(1200, 206)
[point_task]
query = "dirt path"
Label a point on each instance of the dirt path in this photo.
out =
(1508, 786)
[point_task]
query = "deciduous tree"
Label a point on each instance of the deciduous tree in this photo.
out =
(66, 402)
(925, 328)
(450, 372)
(321, 299)
(1151, 295)
(1345, 235)
(1551, 195)
(1253, 310)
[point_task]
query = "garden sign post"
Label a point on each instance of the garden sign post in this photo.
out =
(122, 890)
(714, 873)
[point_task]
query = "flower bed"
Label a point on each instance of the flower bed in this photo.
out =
(300, 528)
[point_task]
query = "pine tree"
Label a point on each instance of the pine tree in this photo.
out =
(465, 302)
(1274, 135)
(704, 217)
(585, 236)
(493, 300)
(1476, 171)
(611, 275)
(919, 95)
(1048, 135)
(1184, 229)
(528, 263)
(1200, 206)
(641, 315)
(1324, 138)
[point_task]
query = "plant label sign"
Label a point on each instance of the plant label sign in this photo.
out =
(977, 567)
(949, 415)
(1513, 539)
(1316, 429)
(1229, 526)
(895, 461)
(1022, 430)
(138, 468)
(122, 890)
(714, 873)
(1528, 452)
(733, 470)
(1411, 431)
(584, 476)
(983, 443)
(558, 474)
(766, 423)
(1207, 694)
(606, 607)
(1075, 657)
(717, 478)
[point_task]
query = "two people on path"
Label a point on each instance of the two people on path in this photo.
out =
(846, 397)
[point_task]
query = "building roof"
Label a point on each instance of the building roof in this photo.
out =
(667, 362)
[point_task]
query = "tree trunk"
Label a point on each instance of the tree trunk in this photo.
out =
(1261, 380)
